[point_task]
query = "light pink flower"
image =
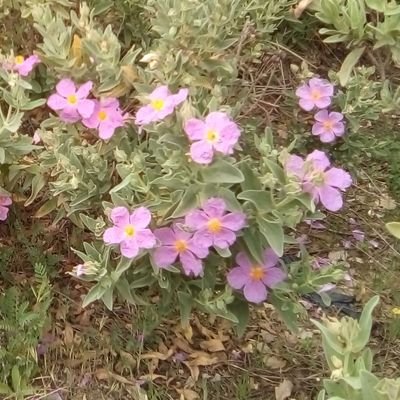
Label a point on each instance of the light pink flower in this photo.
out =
(71, 103)
(255, 278)
(5, 202)
(161, 104)
(328, 125)
(106, 117)
(217, 133)
(317, 178)
(36, 138)
(213, 225)
(24, 66)
(130, 231)
(179, 244)
(316, 93)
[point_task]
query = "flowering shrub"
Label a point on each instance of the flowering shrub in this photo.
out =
(168, 164)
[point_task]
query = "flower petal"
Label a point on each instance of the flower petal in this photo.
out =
(270, 258)
(106, 130)
(339, 178)
(318, 129)
(164, 256)
(145, 239)
(86, 108)
(3, 213)
(234, 221)
(5, 200)
(129, 248)
(191, 265)
(224, 238)
(319, 160)
(165, 235)
(113, 235)
(160, 93)
(180, 97)
(56, 102)
(202, 152)
(306, 105)
(294, 165)
(238, 277)
(303, 92)
(336, 116)
(140, 218)
(327, 137)
(198, 251)
(66, 87)
(214, 207)
(203, 238)
(273, 277)
(243, 260)
(338, 128)
(196, 219)
(195, 129)
(323, 102)
(84, 90)
(331, 198)
(321, 116)
(120, 216)
(255, 291)
(145, 115)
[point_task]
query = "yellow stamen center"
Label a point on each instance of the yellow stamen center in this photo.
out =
(180, 246)
(212, 136)
(315, 94)
(129, 231)
(328, 125)
(257, 273)
(72, 99)
(214, 225)
(158, 105)
(19, 60)
(319, 178)
(102, 115)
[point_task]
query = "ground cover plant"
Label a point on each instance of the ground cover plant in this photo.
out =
(188, 189)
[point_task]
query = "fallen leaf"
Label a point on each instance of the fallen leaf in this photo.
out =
(157, 355)
(68, 334)
(203, 360)
(76, 50)
(284, 390)
(301, 7)
(187, 394)
(275, 362)
(194, 371)
(102, 374)
(181, 344)
(212, 345)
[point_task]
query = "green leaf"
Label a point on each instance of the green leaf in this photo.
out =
(368, 383)
(95, 293)
(46, 208)
(222, 171)
(188, 202)
(240, 309)
(261, 199)
(251, 181)
(124, 290)
(377, 5)
(5, 389)
(16, 378)
(254, 245)
(185, 307)
(108, 299)
(123, 265)
(348, 64)
(365, 324)
(276, 170)
(38, 183)
(394, 229)
(273, 232)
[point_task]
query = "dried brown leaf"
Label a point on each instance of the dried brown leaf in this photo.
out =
(68, 334)
(187, 394)
(301, 7)
(202, 359)
(284, 390)
(212, 345)
(275, 362)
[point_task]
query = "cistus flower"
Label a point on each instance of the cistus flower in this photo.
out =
(106, 117)
(175, 243)
(216, 133)
(130, 231)
(24, 66)
(328, 125)
(5, 202)
(316, 93)
(71, 103)
(254, 278)
(161, 104)
(213, 225)
(317, 178)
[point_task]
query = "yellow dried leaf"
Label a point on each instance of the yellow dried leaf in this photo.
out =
(68, 334)
(212, 345)
(76, 50)
(102, 374)
(181, 344)
(301, 7)
(187, 394)
(157, 355)
(275, 362)
(129, 74)
(194, 371)
(284, 390)
(202, 359)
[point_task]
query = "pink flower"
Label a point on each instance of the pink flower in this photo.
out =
(161, 104)
(25, 65)
(317, 93)
(5, 201)
(72, 103)
(129, 231)
(36, 138)
(255, 278)
(217, 133)
(317, 178)
(106, 117)
(177, 243)
(328, 125)
(213, 226)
